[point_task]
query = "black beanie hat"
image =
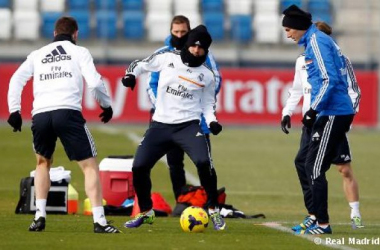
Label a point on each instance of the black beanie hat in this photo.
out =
(295, 18)
(199, 36)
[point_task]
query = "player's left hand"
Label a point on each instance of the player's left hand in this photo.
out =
(106, 115)
(285, 124)
(215, 127)
(309, 118)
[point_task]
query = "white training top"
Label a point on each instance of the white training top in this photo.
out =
(183, 93)
(57, 70)
(301, 88)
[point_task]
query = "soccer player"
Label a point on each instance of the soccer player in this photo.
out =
(301, 88)
(58, 70)
(185, 90)
(179, 29)
(331, 111)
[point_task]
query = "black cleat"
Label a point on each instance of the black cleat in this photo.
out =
(107, 229)
(37, 225)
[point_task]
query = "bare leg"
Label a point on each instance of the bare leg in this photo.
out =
(42, 184)
(92, 185)
(350, 188)
(350, 185)
(93, 188)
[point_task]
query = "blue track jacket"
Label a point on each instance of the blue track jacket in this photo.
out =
(327, 74)
(154, 77)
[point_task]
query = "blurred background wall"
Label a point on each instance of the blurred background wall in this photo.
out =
(247, 37)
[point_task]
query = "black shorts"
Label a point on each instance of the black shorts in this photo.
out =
(70, 127)
(343, 152)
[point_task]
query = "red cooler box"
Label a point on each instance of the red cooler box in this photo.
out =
(117, 179)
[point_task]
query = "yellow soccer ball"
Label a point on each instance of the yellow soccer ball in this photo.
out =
(194, 220)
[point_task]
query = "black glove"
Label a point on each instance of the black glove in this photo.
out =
(15, 120)
(106, 115)
(215, 128)
(309, 118)
(285, 124)
(129, 81)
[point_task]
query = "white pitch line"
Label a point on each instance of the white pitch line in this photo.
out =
(317, 240)
(191, 179)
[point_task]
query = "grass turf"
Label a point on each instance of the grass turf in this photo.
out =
(255, 165)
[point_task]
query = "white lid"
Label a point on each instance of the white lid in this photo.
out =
(116, 164)
(56, 174)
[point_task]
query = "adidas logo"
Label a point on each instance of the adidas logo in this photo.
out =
(58, 54)
(198, 43)
(316, 136)
(171, 65)
(346, 157)
(199, 134)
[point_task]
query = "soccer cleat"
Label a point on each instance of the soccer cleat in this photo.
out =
(141, 218)
(356, 222)
(107, 229)
(307, 222)
(218, 221)
(316, 230)
(37, 225)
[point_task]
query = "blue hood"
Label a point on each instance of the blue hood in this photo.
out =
(168, 43)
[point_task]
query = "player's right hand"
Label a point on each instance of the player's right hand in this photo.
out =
(286, 124)
(129, 81)
(309, 118)
(15, 120)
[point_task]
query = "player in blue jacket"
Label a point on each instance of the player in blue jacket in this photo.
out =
(302, 89)
(331, 111)
(180, 26)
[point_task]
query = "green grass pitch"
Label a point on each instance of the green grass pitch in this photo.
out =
(254, 164)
